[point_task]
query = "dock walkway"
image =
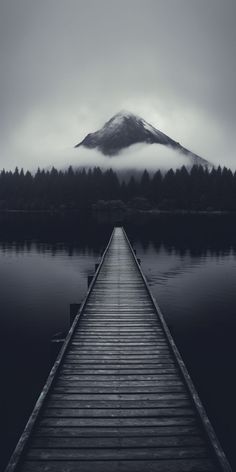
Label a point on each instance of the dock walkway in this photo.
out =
(119, 397)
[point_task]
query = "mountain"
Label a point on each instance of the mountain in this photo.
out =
(125, 129)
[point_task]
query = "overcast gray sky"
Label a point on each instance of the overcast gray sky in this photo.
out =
(69, 65)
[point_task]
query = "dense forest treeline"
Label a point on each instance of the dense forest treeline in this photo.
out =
(194, 189)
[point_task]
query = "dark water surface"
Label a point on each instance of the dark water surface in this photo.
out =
(190, 264)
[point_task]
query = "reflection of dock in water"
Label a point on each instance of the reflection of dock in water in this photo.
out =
(119, 398)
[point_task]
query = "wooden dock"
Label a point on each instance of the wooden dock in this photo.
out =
(119, 397)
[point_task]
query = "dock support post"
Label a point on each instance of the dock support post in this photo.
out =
(90, 278)
(56, 344)
(74, 308)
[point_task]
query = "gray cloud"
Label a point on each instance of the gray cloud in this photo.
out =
(136, 157)
(67, 66)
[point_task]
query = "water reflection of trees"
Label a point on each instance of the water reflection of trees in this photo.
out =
(52, 249)
(196, 235)
(52, 234)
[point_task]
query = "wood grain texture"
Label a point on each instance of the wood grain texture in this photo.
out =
(118, 400)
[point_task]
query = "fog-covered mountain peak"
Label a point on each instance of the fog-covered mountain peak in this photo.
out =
(125, 129)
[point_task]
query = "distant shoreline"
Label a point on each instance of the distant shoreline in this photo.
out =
(90, 212)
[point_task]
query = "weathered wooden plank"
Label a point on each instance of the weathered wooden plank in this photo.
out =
(137, 340)
(138, 348)
(120, 351)
(135, 312)
(117, 431)
(120, 378)
(115, 422)
(122, 326)
(68, 370)
(126, 347)
(126, 326)
(119, 412)
(117, 442)
(126, 354)
(120, 358)
(122, 397)
(143, 321)
(93, 363)
(118, 454)
(116, 334)
(120, 389)
(125, 386)
(135, 317)
(117, 369)
(137, 304)
(180, 465)
(133, 340)
(116, 318)
(98, 404)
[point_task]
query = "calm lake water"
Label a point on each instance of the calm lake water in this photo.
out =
(190, 264)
